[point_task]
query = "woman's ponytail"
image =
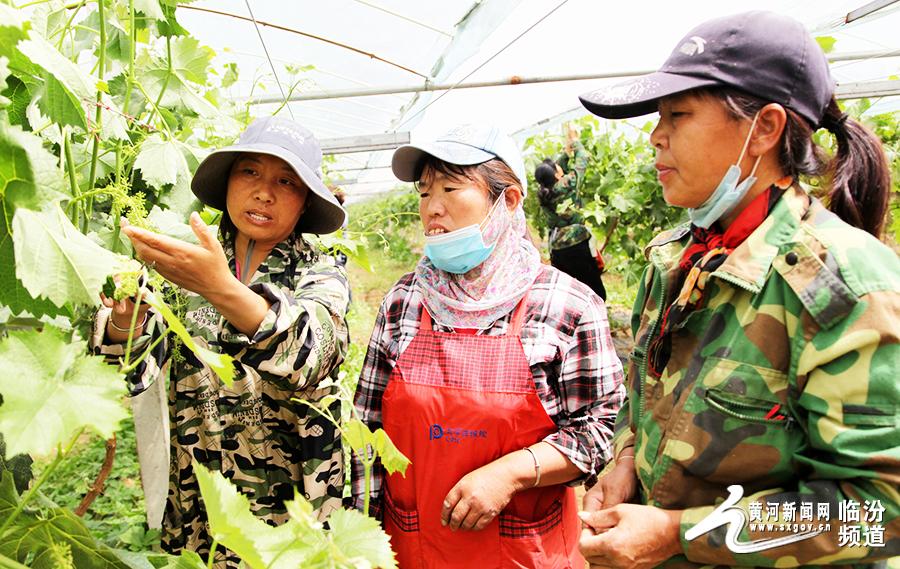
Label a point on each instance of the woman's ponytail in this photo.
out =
(859, 172)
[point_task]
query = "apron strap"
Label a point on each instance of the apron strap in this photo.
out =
(515, 324)
(425, 319)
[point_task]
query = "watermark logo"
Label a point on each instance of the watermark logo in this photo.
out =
(728, 514)
(801, 522)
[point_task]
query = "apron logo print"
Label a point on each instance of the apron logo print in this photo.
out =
(453, 434)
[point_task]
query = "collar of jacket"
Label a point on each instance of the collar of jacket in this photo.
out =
(285, 254)
(749, 264)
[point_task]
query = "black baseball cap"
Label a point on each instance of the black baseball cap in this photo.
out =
(283, 139)
(764, 54)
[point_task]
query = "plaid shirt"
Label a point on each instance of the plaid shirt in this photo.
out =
(568, 346)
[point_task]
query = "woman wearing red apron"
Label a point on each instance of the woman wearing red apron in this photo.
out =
(493, 373)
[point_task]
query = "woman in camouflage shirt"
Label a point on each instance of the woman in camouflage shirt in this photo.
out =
(266, 297)
(766, 333)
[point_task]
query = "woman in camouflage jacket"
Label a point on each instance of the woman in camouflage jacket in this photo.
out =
(266, 297)
(766, 333)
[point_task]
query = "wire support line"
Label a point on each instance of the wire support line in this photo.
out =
(402, 17)
(284, 97)
(488, 60)
(308, 35)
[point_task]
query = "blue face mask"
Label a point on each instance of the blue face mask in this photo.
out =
(461, 250)
(728, 193)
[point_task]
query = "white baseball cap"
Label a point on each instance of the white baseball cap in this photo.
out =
(463, 145)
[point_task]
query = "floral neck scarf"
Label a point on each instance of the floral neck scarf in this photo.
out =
(491, 290)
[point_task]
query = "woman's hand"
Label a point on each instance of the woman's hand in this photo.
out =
(198, 268)
(629, 535)
(121, 316)
(615, 487)
(478, 498)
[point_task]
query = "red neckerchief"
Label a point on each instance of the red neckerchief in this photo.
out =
(709, 248)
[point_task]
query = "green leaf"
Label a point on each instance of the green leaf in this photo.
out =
(12, 292)
(20, 98)
(357, 435)
(221, 364)
(170, 26)
(160, 161)
(187, 560)
(826, 43)
(178, 93)
(149, 8)
(52, 388)
(231, 75)
(60, 105)
(29, 177)
(233, 525)
(56, 64)
(4, 74)
(29, 174)
(114, 125)
(190, 59)
(391, 458)
(170, 223)
(38, 538)
(360, 537)
(56, 261)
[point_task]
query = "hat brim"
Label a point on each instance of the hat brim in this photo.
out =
(641, 95)
(407, 160)
(210, 184)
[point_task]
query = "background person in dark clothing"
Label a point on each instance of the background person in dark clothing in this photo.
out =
(561, 180)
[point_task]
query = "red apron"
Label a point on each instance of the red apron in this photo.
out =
(454, 403)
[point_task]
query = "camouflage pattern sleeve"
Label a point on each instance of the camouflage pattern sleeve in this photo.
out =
(848, 407)
(152, 367)
(304, 335)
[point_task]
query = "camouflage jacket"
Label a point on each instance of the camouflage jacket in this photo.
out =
(253, 432)
(563, 209)
(784, 382)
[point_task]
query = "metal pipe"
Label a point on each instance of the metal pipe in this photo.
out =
(305, 34)
(515, 80)
(867, 9)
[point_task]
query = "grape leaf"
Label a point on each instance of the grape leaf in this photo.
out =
(149, 8)
(361, 538)
(170, 223)
(36, 538)
(51, 388)
(56, 64)
(28, 177)
(29, 174)
(190, 60)
(56, 261)
(60, 105)
(221, 364)
(826, 43)
(233, 525)
(178, 93)
(358, 435)
(4, 74)
(187, 560)
(160, 161)
(391, 458)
